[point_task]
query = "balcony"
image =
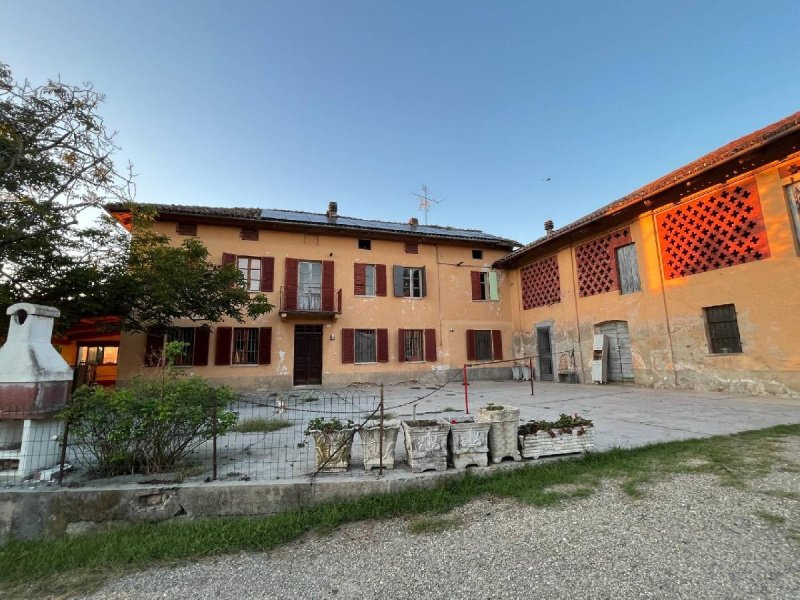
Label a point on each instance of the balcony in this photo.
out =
(311, 302)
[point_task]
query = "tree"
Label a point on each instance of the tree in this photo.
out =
(56, 168)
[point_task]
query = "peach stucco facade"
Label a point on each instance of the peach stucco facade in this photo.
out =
(447, 308)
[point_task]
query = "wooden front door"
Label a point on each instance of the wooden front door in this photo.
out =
(307, 354)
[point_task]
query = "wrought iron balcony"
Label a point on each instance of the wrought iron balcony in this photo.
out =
(310, 301)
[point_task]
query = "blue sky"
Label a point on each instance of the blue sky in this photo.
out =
(294, 104)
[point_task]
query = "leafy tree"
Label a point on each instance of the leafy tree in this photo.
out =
(56, 167)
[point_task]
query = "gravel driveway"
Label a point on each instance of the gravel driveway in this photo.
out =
(688, 537)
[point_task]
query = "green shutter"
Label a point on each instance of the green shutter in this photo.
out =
(493, 294)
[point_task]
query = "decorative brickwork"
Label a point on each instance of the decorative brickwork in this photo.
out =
(541, 285)
(718, 230)
(789, 169)
(597, 263)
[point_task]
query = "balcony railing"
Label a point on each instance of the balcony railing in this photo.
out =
(310, 301)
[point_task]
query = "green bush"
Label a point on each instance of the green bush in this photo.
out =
(150, 426)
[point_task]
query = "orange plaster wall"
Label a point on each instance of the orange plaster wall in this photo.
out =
(447, 307)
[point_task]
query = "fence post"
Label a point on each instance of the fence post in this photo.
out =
(63, 459)
(533, 376)
(214, 439)
(466, 390)
(380, 439)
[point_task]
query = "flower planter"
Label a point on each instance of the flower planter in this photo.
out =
(426, 445)
(468, 444)
(503, 431)
(333, 449)
(371, 442)
(553, 441)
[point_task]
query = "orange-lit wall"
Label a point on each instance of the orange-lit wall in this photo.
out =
(448, 308)
(665, 320)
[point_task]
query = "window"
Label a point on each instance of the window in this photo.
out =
(249, 234)
(412, 283)
(251, 271)
(477, 254)
(484, 285)
(723, 329)
(412, 248)
(793, 195)
(245, 346)
(413, 345)
(98, 355)
(484, 344)
(186, 229)
(309, 285)
(366, 349)
(628, 269)
(365, 244)
(185, 335)
(369, 280)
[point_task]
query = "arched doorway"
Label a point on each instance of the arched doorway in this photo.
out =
(620, 358)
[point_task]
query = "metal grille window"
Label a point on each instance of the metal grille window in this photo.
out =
(245, 346)
(793, 194)
(413, 345)
(251, 271)
(628, 269)
(185, 335)
(723, 329)
(366, 350)
(483, 344)
(412, 283)
(369, 280)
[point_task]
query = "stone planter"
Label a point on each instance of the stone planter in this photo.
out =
(502, 433)
(326, 444)
(426, 445)
(371, 442)
(468, 444)
(554, 441)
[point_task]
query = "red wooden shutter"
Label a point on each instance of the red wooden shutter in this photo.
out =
(359, 279)
(201, 338)
(265, 345)
(401, 345)
(222, 349)
(153, 348)
(476, 285)
(497, 344)
(383, 345)
(267, 273)
(290, 285)
(228, 259)
(348, 346)
(471, 355)
(430, 345)
(327, 285)
(380, 280)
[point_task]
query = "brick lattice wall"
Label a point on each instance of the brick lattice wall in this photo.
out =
(541, 285)
(597, 263)
(717, 230)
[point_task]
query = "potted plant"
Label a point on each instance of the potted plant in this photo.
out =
(370, 434)
(468, 443)
(426, 444)
(570, 434)
(504, 421)
(333, 440)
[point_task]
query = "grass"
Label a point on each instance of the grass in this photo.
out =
(69, 565)
(261, 425)
(450, 409)
(770, 518)
(435, 524)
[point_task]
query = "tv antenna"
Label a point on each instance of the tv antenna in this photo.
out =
(425, 201)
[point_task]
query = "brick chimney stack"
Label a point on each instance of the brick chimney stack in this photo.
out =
(548, 227)
(414, 222)
(333, 210)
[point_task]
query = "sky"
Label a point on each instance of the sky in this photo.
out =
(510, 112)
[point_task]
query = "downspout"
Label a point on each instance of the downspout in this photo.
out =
(575, 300)
(664, 295)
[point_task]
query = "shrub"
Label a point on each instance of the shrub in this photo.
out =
(150, 426)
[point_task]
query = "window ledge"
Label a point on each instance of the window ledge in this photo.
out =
(239, 366)
(367, 363)
(725, 354)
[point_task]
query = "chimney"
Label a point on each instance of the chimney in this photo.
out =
(333, 210)
(548, 227)
(414, 222)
